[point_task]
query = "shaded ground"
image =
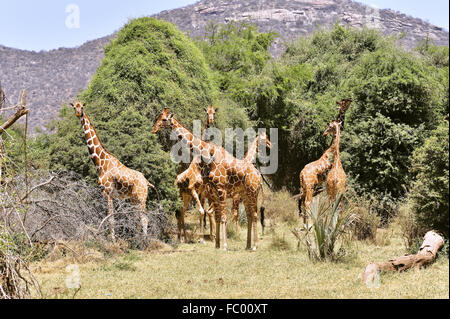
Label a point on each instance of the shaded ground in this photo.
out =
(201, 271)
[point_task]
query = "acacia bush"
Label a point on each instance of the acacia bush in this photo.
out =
(62, 206)
(395, 99)
(150, 65)
(235, 52)
(430, 191)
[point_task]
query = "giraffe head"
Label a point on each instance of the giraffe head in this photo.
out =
(165, 119)
(332, 128)
(78, 107)
(344, 105)
(210, 112)
(263, 139)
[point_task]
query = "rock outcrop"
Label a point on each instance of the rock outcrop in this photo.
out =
(56, 76)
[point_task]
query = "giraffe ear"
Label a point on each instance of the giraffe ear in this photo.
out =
(205, 109)
(71, 104)
(216, 109)
(171, 116)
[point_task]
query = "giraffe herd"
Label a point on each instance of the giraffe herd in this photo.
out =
(214, 175)
(328, 166)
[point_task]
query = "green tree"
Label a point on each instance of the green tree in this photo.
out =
(397, 100)
(298, 92)
(395, 105)
(150, 65)
(235, 52)
(430, 191)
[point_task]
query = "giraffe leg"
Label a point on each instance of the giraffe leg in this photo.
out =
(181, 226)
(223, 220)
(255, 226)
(140, 201)
(210, 213)
(111, 220)
(178, 216)
(202, 214)
(251, 209)
(248, 210)
(223, 216)
(144, 219)
(217, 218)
(235, 210)
(307, 205)
(254, 216)
(183, 236)
(212, 223)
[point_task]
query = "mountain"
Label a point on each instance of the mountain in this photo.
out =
(49, 77)
(56, 76)
(294, 18)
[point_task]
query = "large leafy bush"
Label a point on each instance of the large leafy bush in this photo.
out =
(430, 193)
(150, 65)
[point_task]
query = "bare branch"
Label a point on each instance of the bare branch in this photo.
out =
(37, 186)
(20, 112)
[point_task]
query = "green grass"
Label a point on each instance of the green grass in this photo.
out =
(201, 271)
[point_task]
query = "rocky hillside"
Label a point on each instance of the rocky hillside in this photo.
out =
(49, 77)
(56, 76)
(300, 17)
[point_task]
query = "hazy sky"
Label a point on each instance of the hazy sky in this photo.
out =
(46, 24)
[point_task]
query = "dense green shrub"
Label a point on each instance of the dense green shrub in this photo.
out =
(397, 98)
(235, 51)
(430, 193)
(150, 65)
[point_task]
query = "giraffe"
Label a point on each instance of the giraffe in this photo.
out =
(226, 174)
(115, 179)
(190, 185)
(250, 157)
(314, 173)
(336, 178)
(311, 176)
(210, 115)
(343, 107)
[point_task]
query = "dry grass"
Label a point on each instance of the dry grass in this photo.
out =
(201, 271)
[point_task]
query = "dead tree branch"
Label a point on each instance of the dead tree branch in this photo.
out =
(432, 242)
(19, 113)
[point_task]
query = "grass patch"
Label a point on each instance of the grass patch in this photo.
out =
(279, 242)
(201, 271)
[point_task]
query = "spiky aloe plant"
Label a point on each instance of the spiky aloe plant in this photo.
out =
(328, 225)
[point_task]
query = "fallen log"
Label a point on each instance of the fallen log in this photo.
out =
(432, 242)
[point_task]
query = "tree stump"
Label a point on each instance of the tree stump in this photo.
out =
(432, 242)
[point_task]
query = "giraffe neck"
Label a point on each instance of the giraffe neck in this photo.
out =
(251, 152)
(341, 119)
(195, 144)
(207, 126)
(327, 154)
(96, 150)
(336, 145)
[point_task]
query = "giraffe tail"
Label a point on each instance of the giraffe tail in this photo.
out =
(300, 198)
(156, 190)
(262, 209)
